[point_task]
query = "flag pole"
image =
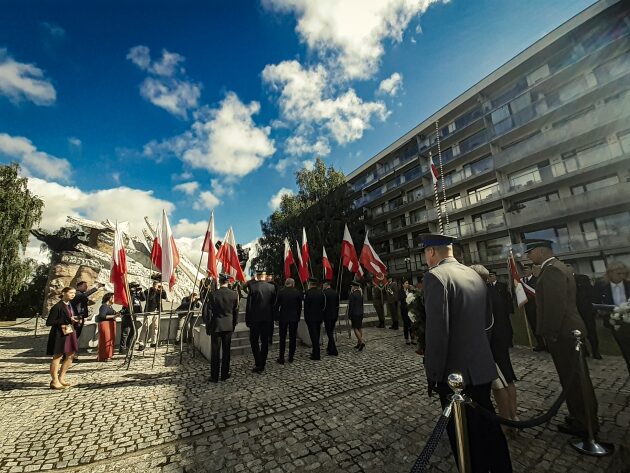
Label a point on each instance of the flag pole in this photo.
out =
(520, 308)
(437, 134)
(438, 206)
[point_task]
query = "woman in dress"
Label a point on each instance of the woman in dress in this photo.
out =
(106, 320)
(62, 340)
(355, 312)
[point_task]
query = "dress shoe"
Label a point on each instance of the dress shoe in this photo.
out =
(152, 345)
(315, 358)
(394, 327)
(571, 430)
(538, 348)
(213, 380)
(380, 326)
(362, 347)
(258, 369)
(280, 361)
(140, 347)
(597, 356)
(226, 377)
(290, 360)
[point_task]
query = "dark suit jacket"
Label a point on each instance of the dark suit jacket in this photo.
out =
(80, 302)
(314, 303)
(289, 305)
(223, 310)
(603, 292)
(584, 295)
(153, 299)
(457, 309)
(355, 304)
(530, 305)
(331, 309)
(502, 307)
(556, 309)
(260, 302)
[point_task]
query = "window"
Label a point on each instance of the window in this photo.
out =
(478, 167)
(613, 68)
(559, 235)
(594, 185)
(417, 216)
(538, 75)
(379, 229)
(586, 156)
(497, 248)
(482, 193)
(598, 266)
(473, 141)
(537, 202)
(573, 117)
(395, 203)
(527, 176)
(624, 140)
(415, 194)
(489, 220)
(399, 222)
(468, 117)
(400, 242)
(510, 93)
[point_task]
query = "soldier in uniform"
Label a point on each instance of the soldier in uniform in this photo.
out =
(331, 314)
(558, 317)
(288, 310)
(221, 317)
(258, 315)
(393, 304)
(457, 309)
(378, 298)
(314, 304)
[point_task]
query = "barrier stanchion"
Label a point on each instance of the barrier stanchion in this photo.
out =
(36, 323)
(589, 445)
(456, 383)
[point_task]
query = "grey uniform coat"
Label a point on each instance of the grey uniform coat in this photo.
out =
(457, 309)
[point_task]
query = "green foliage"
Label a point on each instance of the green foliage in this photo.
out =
(322, 205)
(28, 301)
(20, 211)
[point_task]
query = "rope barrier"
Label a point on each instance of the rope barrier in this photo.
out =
(422, 461)
(19, 323)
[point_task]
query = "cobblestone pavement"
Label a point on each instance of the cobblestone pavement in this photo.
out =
(358, 412)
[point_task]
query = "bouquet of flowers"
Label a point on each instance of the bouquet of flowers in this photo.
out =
(620, 315)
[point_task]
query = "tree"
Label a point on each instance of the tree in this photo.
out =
(28, 301)
(322, 205)
(20, 211)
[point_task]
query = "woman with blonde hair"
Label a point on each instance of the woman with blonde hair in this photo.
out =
(62, 340)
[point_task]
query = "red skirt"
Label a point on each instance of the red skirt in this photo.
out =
(106, 340)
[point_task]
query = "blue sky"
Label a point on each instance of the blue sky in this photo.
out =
(118, 109)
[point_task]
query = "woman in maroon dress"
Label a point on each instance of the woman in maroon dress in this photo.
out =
(106, 319)
(62, 340)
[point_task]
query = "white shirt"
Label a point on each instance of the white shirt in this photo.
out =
(618, 293)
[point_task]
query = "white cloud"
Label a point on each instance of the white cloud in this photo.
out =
(120, 203)
(163, 88)
(207, 201)
(276, 199)
(53, 29)
(20, 81)
(351, 33)
(32, 161)
(224, 140)
(75, 142)
(186, 228)
(308, 101)
(391, 85)
(223, 186)
(187, 187)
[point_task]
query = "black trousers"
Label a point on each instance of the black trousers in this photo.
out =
(622, 337)
(220, 344)
(329, 325)
(259, 341)
(565, 358)
(591, 330)
(486, 442)
(531, 320)
(127, 331)
(394, 310)
(292, 328)
(314, 328)
(404, 315)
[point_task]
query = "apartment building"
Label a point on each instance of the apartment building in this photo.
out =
(539, 148)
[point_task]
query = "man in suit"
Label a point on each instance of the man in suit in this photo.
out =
(529, 279)
(288, 310)
(502, 307)
(149, 332)
(457, 308)
(558, 317)
(314, 304)
(80, 306)
(378, 298)
(393, 304)
(615, 290)
(221, 317)
(584, 294)
(331, 314)
(258, 315)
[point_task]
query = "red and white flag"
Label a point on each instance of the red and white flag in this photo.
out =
(208, 247)
(349, 253)
(302, 267)
(305, 252)
(370, 260)
(228, 256)
(118, 275)
(170, 255)
(288, 259)
(156, 250)
(328, 269)
(519, 292)
(435, 175)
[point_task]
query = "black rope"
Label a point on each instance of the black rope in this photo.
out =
(427, 452)
(524, 424)
(19, 323)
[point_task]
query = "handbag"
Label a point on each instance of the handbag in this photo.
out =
(67, 329)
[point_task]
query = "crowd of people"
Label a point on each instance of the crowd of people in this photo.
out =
(458, 316)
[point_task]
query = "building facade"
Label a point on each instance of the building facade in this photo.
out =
(539, 148)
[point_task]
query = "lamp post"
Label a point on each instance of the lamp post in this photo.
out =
(408, 266)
